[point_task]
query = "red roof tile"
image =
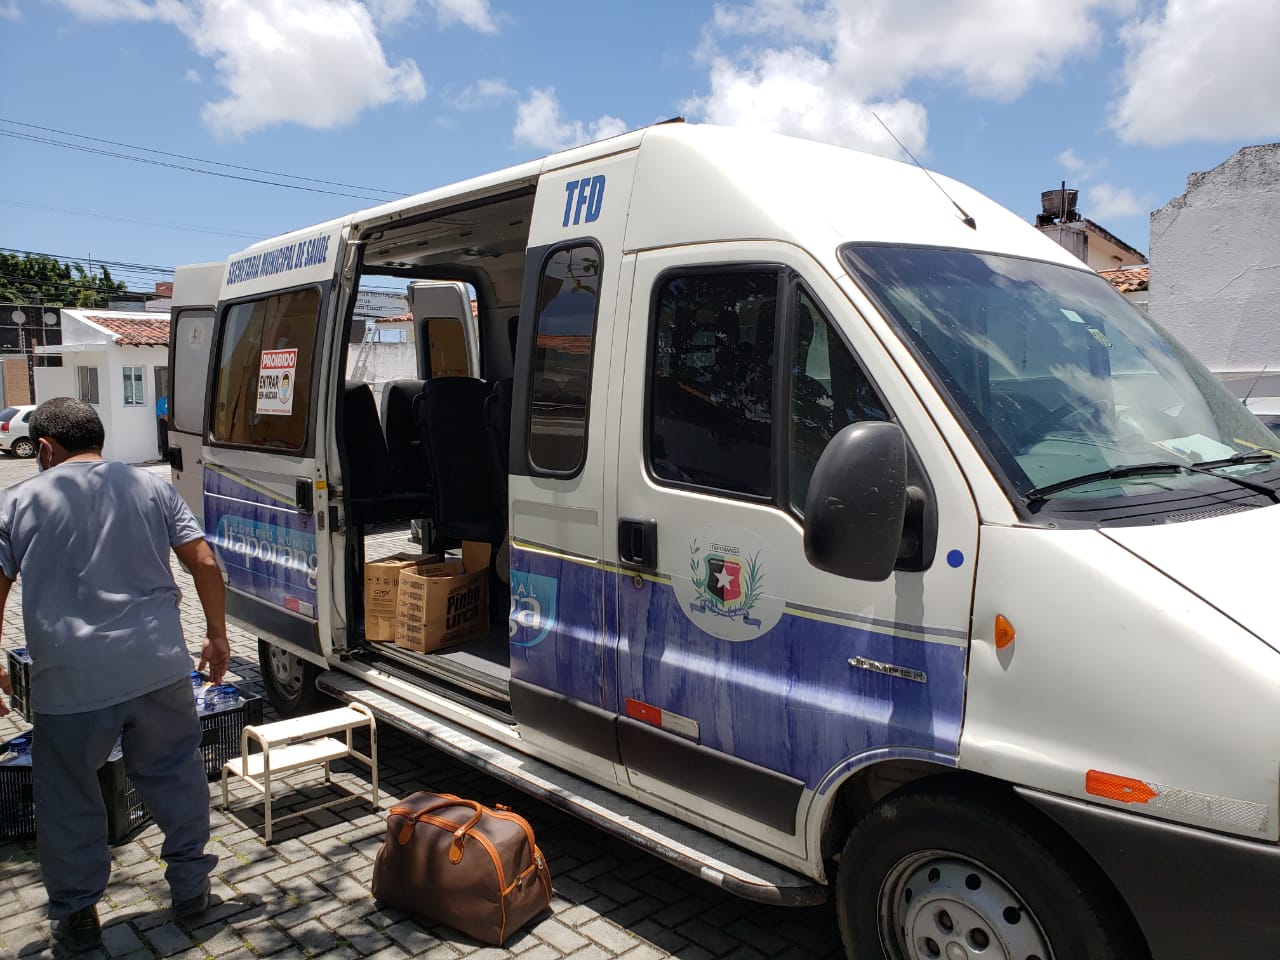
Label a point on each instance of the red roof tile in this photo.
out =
(1128, 280)
(134, 332)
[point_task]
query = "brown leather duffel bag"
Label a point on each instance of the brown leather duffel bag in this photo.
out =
(459, 862)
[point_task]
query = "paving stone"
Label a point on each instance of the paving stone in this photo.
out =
(223, 942)
(412, 937)
(560, 936)
(313, 936)
(168, 939)
(363, 937)
(705, 935)
(120, 938)
(608, 935)
(265, 938)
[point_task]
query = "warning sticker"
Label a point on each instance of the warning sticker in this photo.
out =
(277, 381)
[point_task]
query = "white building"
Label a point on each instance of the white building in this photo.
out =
(119, 363)
(1215, 269)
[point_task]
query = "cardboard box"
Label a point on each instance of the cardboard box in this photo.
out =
(381, 582)
(442, 604)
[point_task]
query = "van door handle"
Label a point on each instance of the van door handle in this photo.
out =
(302, 495)
(638, 543)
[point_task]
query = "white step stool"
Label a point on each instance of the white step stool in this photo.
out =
(300, 742)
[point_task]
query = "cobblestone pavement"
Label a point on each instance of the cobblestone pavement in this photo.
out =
(308, 894)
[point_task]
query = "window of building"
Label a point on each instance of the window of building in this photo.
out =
(133, 396)
(829, 391)
(262, 383)
(564, 341)
(711, 381)
(87, 384)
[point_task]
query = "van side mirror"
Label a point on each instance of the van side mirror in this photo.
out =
(857, 502)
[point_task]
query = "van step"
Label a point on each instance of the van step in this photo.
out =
(692, 850)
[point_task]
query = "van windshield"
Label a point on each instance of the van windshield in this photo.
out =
(1072, 390)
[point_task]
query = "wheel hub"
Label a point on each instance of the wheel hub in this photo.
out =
(286, 670)
(940, 906)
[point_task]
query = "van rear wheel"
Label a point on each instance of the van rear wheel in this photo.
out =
(931, 875)
(290, 681)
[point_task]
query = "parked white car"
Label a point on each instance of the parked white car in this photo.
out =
(14, 436)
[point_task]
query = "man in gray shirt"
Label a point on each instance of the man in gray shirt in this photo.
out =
(91, 540)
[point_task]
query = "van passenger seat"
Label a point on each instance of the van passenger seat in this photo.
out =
(497, 415)
(451, 417)
(368, 471)
(404, 441)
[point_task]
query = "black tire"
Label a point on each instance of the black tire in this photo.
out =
(927, 869)
(23, 447)
(290, 681)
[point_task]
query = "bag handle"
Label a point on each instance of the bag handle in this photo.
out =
(447, 800)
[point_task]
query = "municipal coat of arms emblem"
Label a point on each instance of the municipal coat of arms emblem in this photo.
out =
(728, 584)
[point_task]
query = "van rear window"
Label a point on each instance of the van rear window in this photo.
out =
(262, 385)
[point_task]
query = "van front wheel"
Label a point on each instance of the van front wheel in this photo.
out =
(934, 875)
(290, 680)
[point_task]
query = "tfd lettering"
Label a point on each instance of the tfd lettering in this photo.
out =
(583, 199)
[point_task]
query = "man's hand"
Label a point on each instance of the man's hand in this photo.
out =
(216, 655)
(7, 689)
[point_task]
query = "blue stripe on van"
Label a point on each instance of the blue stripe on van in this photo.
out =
(789, 701)
(267, 548)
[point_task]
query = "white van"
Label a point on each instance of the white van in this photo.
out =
(859, 537)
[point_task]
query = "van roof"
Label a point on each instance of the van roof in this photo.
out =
(705, 183)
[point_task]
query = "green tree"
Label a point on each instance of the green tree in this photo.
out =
(32, 278)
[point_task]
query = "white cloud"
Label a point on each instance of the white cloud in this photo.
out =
(316, 63)
(193, 76)
(1202, 70)
(825, 65)
(538, 123)
(1106, 202)
(1080, 168)
(790, 92)
(482, 93)
(9, 10)
(470, 13)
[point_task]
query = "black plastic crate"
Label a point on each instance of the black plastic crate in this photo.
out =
(20, 679)
(125, 812)
(17, 809)
(221, 726)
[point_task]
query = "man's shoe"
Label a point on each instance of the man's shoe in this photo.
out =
(79, 931)
(192, 906)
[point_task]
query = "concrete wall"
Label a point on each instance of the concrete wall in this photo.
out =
(1215, 268)
(376, 363)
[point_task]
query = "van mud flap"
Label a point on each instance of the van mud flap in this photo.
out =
(710, 858)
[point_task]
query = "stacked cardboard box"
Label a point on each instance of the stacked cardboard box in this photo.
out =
(381, 589)
(441, 604)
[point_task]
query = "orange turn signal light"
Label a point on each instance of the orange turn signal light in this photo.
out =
(1112, 786)
(1004, 632)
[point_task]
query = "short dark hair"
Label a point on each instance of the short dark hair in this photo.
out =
(72, 423)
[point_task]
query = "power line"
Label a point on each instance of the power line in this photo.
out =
(216, 163)
(32, 138)
(113, 264)
(141, 220)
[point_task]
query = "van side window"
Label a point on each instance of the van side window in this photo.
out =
(829, 391)
(711, 381)
(193, 336)
(563, 350)
(262, 388)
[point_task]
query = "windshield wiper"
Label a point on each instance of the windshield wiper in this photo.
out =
(1162, 466)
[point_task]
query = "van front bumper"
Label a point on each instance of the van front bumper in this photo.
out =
(1195, 894)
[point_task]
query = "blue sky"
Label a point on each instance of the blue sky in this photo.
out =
(1122, 98)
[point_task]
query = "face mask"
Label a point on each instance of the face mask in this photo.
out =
(40, 458)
